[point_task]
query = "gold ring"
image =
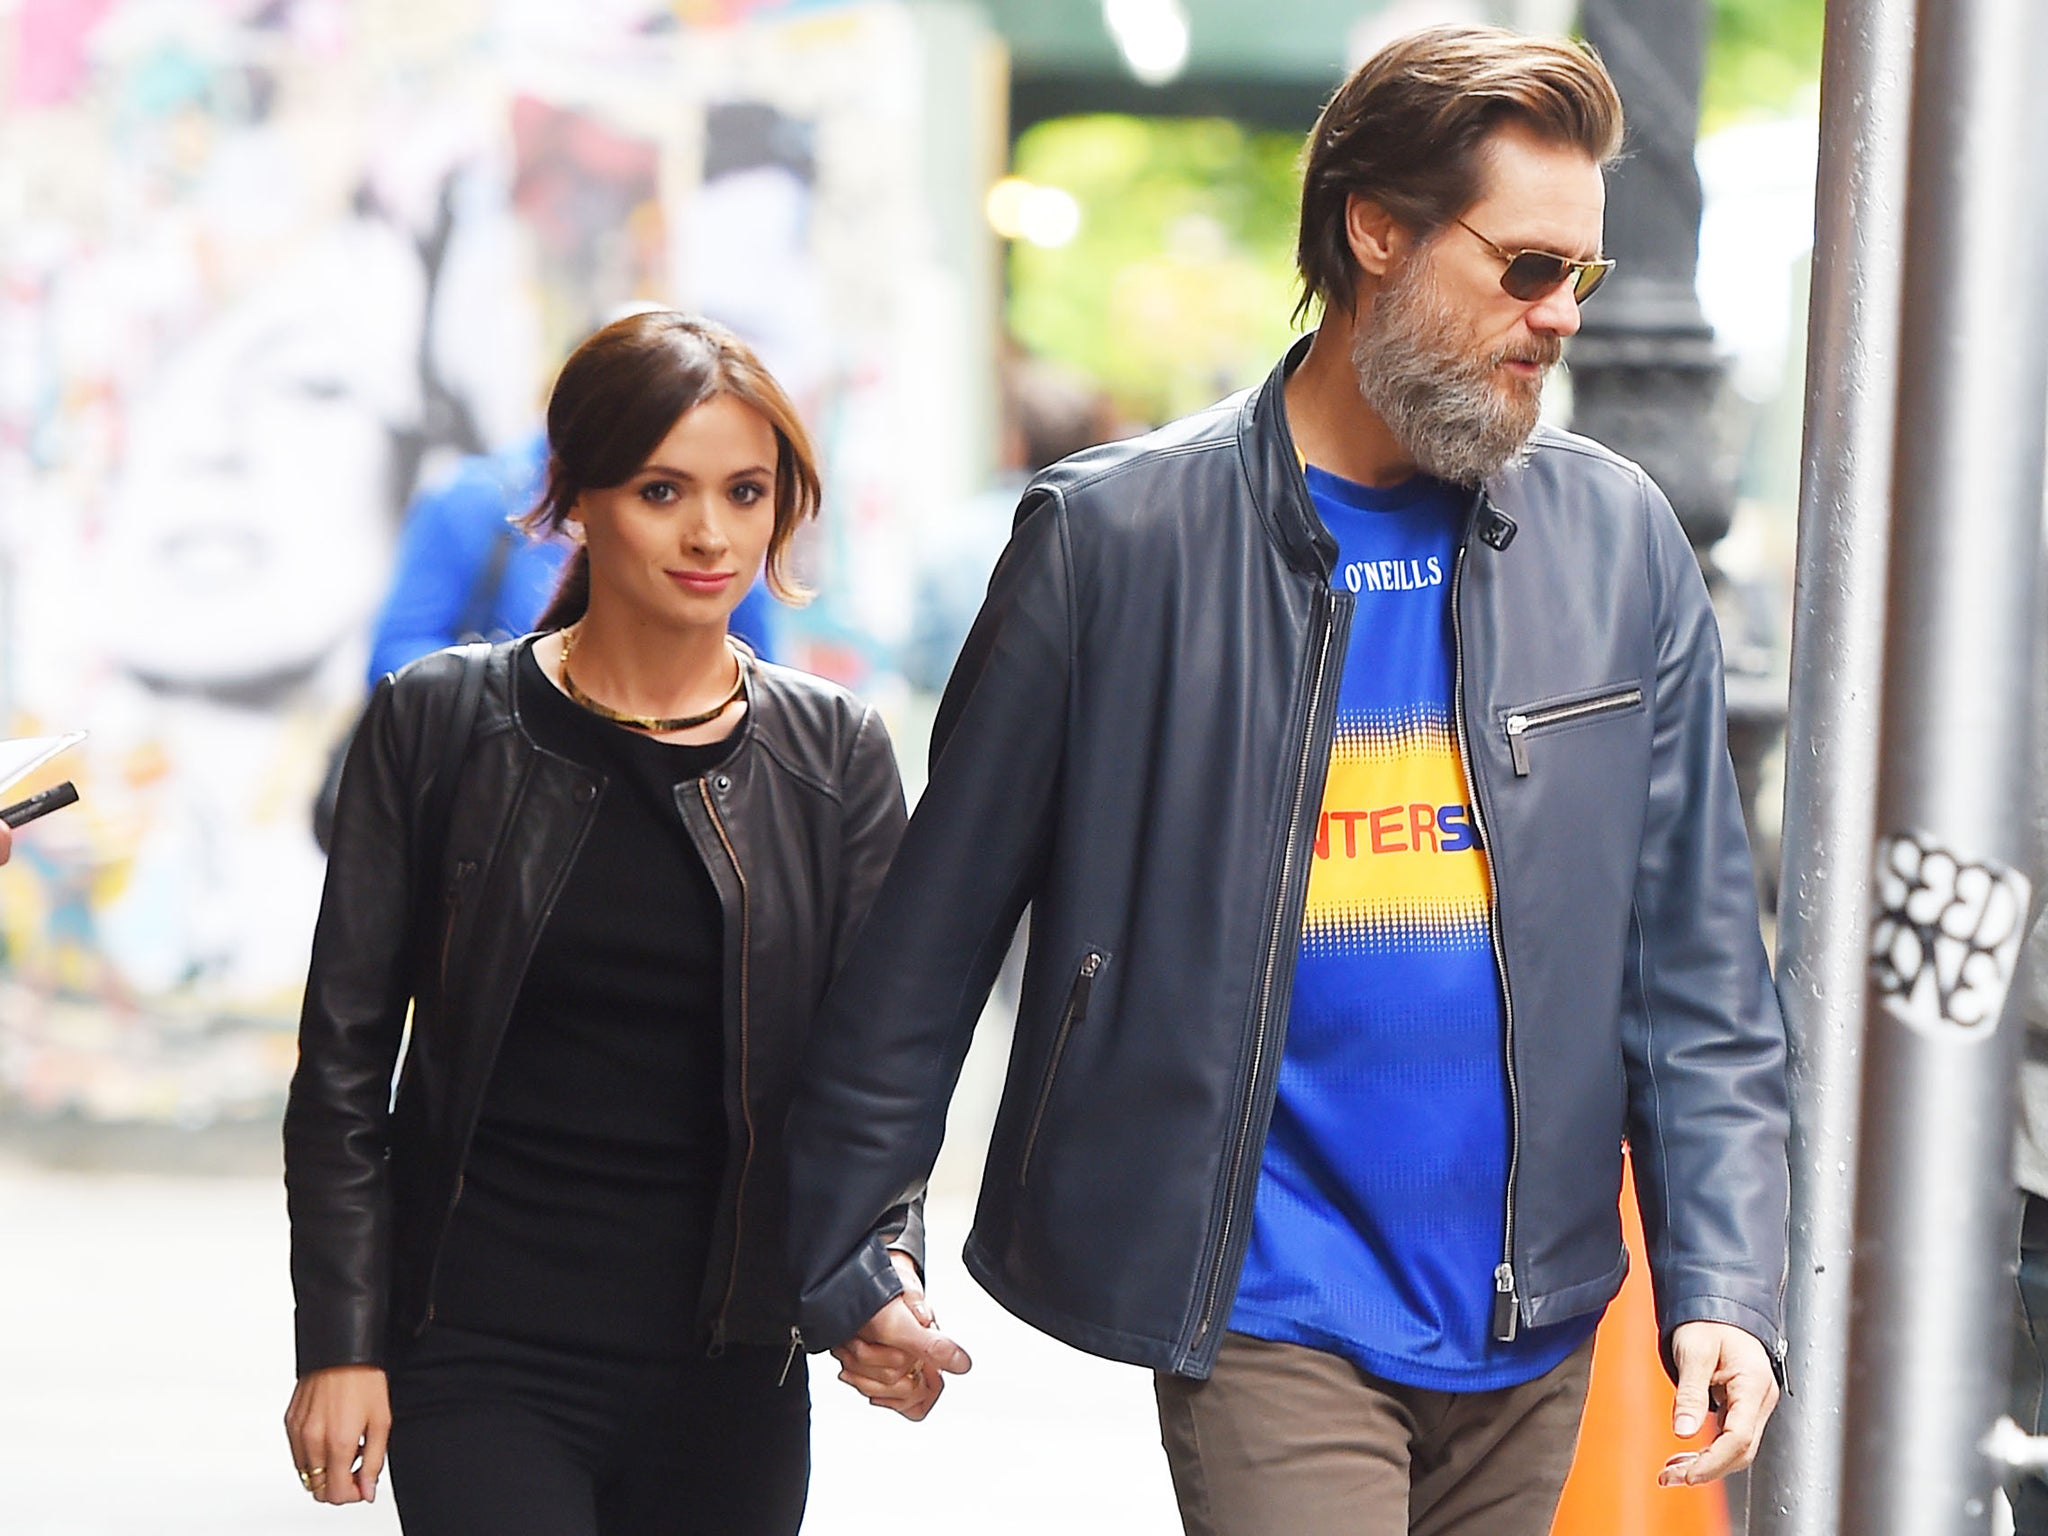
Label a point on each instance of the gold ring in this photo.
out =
(305, 1479)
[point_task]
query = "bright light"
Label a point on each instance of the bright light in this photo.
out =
(1152, 35)
(1023, 210)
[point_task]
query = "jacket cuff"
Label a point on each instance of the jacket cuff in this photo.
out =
(902, 1231)
(1721, 1309)
(325, 1339)
(838, 1307)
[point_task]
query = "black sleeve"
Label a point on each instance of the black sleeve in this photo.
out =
(336, 1123)
(867, 1123)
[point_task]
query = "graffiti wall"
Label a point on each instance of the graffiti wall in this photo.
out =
(267, 267)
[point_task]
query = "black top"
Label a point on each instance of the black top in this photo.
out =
(587, 1199)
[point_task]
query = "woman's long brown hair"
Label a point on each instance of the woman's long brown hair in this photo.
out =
(616, 399)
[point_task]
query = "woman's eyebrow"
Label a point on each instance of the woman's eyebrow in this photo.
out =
(684, 474)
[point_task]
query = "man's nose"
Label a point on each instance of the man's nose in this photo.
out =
(1556, 313)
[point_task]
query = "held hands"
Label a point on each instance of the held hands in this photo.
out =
(900, 1359)
(339, 1422)
(1725, 1370)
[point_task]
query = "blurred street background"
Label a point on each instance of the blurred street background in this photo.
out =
(271, 268)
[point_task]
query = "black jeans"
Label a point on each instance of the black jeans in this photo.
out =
(494, 1437)
(2029, 1493)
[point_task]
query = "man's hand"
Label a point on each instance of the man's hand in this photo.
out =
(900, 1359)
(1724, 1370)
(339, 1423)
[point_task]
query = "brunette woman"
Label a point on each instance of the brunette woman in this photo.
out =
(549, 1259)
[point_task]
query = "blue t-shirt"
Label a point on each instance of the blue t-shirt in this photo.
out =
(1382, 1199)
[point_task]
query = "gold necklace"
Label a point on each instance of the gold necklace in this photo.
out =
(650, 724)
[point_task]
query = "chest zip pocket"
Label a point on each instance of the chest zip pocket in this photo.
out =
(1519, 725)
(1075, 1011)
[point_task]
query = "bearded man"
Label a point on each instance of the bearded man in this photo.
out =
(1358, 746)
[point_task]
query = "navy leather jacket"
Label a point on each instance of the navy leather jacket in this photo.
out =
(1134, 743)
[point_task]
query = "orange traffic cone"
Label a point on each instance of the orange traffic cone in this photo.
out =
(1626, 1437)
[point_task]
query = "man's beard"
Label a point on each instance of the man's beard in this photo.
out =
(1443, 402)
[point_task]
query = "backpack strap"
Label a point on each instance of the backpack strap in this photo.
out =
(481, 606)
(469, 693)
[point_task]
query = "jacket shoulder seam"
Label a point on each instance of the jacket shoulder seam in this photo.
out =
(788, 764)
(852, 711)
(1557, 440)
(1138, 460)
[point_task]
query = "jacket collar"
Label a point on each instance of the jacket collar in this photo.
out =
(1273, 466)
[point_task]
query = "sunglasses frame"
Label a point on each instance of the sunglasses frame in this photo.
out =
(1585, 277)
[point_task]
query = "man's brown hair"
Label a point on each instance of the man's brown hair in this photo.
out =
(616, 399)
(1409, 131)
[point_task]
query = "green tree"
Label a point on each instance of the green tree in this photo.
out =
(1763, 58)
(1178, 286)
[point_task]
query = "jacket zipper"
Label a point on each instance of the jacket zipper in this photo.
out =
(1507, 1311)
(1519, 726)
(1240, 1143)
(746, 1105)
(1076, 1010)
(796, 1347)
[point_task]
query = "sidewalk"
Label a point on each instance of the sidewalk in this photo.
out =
(145, 1359)
(145, 1348)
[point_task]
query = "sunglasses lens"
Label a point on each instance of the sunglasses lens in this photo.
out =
(1532, 274)
(1590, 278)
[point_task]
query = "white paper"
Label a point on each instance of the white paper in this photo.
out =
(24, 754)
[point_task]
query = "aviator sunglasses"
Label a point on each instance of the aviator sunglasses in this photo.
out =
(1532, 274)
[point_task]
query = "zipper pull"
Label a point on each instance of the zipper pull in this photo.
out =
(796, 1347)
(1084, 983)
(717, 1348)
(1507, 1316)
(1518, 744)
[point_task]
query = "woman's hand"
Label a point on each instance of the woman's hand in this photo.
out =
(339, 1422)
(900, 1359)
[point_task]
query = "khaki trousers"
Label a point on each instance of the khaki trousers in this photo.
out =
(1288, 1441)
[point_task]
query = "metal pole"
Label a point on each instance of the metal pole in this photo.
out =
(1934, 1196)
(1831, 746)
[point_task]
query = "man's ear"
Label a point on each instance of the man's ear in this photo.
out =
(1377, 239)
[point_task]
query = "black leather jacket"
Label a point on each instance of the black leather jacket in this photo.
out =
(1134, 742)
(796, 827)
